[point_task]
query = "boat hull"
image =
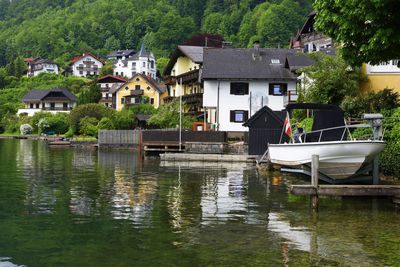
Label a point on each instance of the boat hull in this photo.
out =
(338, 159)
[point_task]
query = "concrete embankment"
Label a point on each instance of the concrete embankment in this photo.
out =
(206, 157)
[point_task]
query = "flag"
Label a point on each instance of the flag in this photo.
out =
(287, 124)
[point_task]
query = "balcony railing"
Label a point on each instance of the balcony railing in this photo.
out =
(193, 98)
(188, 99)
(188, 77)
(137, 92)
(87, 69)
(57, 108)
(170, 80)
(88, 62)
(290, 97)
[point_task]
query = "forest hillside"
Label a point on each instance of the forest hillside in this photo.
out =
(63, 29)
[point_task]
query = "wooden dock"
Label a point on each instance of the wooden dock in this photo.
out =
(346, 190)
(162, 147)
(206, 157)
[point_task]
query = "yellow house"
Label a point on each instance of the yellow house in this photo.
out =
(139, 88)
(183, 77)
(384, 75)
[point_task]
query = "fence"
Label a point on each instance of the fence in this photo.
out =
(172, 136)
(116, 138)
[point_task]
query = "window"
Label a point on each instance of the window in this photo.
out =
(106, 95)
(106, 104)
(31, 105)
(277, 88)
(137, 87)
(239, 115)
(275, 61)
(152, 101)
(239, 88)
(116, 73)
(65, 105)
(80, 72)
(144, 64)
(137, 79)
(395, 62)
(137, 100)
(37, 105)
(122, 100)
(122, 73)
(152, 64)
(148, 88)
(133, 64)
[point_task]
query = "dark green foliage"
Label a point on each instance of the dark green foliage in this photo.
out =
(371, 102)
(368, 30)
(58, 123)
(142, 109)
(91, 94)
(329, 80)
(97, 111)
(107, 69)
(105, 124)
(63, 30)
(36, 117)
(87, 126)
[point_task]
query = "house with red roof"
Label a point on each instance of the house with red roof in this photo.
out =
(86, 65)
(109, 85)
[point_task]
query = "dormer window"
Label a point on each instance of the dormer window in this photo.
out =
(137, 79)
(275, 61)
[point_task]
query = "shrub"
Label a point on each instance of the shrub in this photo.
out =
(36, 118)
(105, 124)
(43, 125)
(87, 126)
(58, 123)
(25, 129)
(97, 111)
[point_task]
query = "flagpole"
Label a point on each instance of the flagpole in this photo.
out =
(180, 117)
(284, 126)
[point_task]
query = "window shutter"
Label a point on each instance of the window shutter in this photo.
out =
(271, 89)
(246, 115)
(232, 116)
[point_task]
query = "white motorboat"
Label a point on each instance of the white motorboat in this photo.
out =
(340, 155)
(337, 159)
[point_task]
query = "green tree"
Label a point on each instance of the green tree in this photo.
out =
(3, 75)
(97, 111)
(87, 126)
(368, 30)
(19, 66)
(90, 95)
(167, 116)
(329, 80)
(107, 69)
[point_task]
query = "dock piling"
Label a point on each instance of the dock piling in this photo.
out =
(314, 180)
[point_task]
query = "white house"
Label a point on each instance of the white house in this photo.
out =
(240, 81)
(49, 100)
(38, 65)
(86, 65)
(141, 62)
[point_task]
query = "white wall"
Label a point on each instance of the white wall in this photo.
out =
(129, 71)
(75, 66)
(258, 90)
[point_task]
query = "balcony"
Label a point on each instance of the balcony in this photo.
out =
(170, 80)
(188, 77)
(57, 108)
(83, 68)
(290, 97)
(137, 92)
(193, 98)
(88, 62)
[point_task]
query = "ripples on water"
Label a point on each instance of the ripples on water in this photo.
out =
(100, 208)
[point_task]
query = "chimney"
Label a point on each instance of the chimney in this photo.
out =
(256, 50)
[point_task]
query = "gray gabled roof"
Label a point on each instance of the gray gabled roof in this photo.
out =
(295, 62)
(37, 95)
(194, 53)
(120, 53)
(239, 63)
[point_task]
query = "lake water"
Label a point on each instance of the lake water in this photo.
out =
(83, 207)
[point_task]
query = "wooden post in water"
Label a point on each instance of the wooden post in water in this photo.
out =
(314, 180)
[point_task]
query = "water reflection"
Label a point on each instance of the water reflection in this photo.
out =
(68, 206)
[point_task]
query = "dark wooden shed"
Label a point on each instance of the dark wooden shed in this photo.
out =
(265, 126)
